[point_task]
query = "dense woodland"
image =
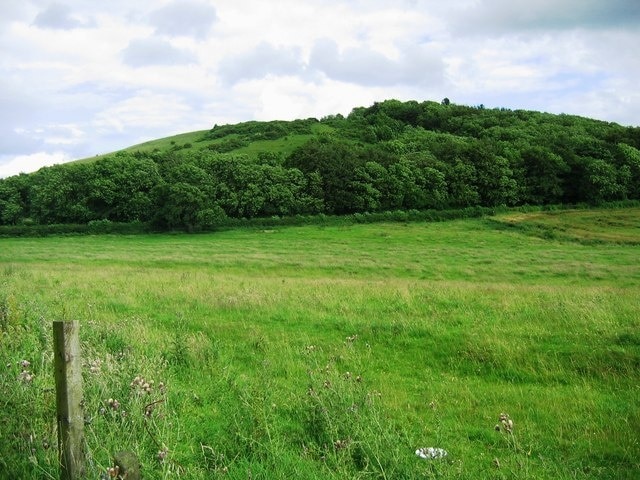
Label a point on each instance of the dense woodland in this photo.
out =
(390, 156)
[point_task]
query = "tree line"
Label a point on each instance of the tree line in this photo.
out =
(387, 157)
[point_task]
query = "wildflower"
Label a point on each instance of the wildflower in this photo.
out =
(114, 404)
(504, 423)
(431, 453)
(25, 364)
(352, 338)
(142, 385)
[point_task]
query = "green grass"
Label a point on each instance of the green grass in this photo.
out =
(582, 226)
(197, 141)
(337, 351)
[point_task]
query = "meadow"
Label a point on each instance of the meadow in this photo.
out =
(335, 351)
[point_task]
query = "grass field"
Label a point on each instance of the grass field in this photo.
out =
(336, 351)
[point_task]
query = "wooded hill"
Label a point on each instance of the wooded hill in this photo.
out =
(387, 157)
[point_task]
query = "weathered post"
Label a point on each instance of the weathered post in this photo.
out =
(68, 374)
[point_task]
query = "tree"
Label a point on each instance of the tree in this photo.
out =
(494, 176)
(630, 159)
(461, 189)
(601, 181)
(182, 206)
(543, 173)
(120, 188)
(336, 162)
(14, 199)
(59, 194)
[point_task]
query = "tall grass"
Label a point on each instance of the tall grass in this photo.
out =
(331, 352)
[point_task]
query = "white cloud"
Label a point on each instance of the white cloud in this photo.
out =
(78, 78)
(263, 60)
(10, 166)
(146, 111)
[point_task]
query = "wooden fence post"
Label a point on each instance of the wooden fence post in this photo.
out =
(68, 374)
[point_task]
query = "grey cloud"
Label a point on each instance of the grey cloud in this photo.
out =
(502, 16)
(265, 59)
(184, 18)
(366, 67)
(154, 51)
(59, 17)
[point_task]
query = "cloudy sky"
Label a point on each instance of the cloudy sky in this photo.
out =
(80, 77)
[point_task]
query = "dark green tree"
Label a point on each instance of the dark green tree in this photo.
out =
(336, 162)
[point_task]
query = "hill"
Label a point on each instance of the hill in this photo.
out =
(390, 156)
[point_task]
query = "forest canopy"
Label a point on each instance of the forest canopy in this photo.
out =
(390, 156)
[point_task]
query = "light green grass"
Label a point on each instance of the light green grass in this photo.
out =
(194, 139)
(283, 146)
(335, 352)
(197, 140)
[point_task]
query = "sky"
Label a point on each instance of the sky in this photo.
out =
(80, 78)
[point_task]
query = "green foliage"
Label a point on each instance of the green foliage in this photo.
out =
(335, 162)
(390, 156)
